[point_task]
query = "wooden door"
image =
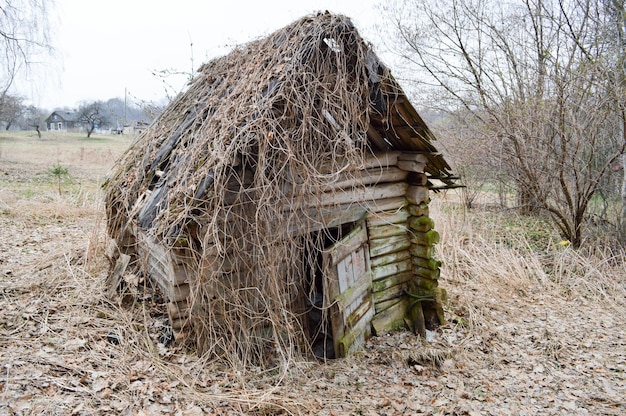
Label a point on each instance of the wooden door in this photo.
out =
(347, 291)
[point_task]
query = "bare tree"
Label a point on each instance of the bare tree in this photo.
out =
(11, 109)
(616, 10)
(33, 117)
(93, 115)
(24, 38)
(535, 78)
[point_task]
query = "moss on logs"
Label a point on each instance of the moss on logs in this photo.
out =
(418, 210)
(421, 224)
(430, 263)
(425, 239)
(425, 252)
(427, 273)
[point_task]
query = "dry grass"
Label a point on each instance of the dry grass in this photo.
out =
(535, 328)
(503, 252)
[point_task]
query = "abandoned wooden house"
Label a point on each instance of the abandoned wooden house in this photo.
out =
(281, 202)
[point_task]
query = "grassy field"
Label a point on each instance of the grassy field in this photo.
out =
(535, 327)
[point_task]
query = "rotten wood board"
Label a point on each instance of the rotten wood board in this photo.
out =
(355, 239)
(390, 319)
(357, 335)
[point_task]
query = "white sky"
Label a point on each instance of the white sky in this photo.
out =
(107, 46)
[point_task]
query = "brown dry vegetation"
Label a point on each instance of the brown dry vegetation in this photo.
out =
(535, 328)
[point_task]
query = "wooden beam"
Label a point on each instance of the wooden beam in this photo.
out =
(368, 193)
(384, 231)
(374, 136)
(387, 217)
(390, 258)
(390, 269)
(389, 245)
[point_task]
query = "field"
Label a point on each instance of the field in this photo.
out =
(535, 327)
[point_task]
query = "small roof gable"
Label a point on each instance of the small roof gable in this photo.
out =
(63, 116)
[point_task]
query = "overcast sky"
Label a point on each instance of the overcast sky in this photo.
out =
(105, 47)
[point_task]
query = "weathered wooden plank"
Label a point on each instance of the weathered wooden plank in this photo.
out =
(376, 138)
(417, 179)
(158, 262)
(318, 218)
(426, 284)
(391, 318)
(427, 273)
(367, 177)
(390, 258)
(384, 231)
(389, 245)
(425, 252)
(373, 160)
(386, 304)
(381, 272)
(389, 158)
(355, 336)
(357, 314)
(431, 264)
(392, 292)
(348, 244)
(384, 204)
(418, 210)
(425, 239)
(387, 217)
(366, 193)
(396, 279)
(360, 287)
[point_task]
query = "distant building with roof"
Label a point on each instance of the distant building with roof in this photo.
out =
(63, 121)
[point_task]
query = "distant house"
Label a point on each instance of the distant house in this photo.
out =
(63, 121)
(135, 128)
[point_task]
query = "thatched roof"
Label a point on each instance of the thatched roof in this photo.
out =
(256, 137)
(314, 89)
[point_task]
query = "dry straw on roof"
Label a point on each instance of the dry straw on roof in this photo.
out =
(231, 173)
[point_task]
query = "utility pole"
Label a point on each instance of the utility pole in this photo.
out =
(125, 95)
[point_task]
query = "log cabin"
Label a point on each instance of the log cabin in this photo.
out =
(281, 201)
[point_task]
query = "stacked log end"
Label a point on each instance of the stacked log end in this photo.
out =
(425, 295)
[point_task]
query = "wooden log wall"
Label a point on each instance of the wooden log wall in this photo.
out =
(400, 239)
(424, 295)
(390, 261)
(171, 270)
(405, 272)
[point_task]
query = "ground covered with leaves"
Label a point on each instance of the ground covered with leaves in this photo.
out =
(534, 328)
